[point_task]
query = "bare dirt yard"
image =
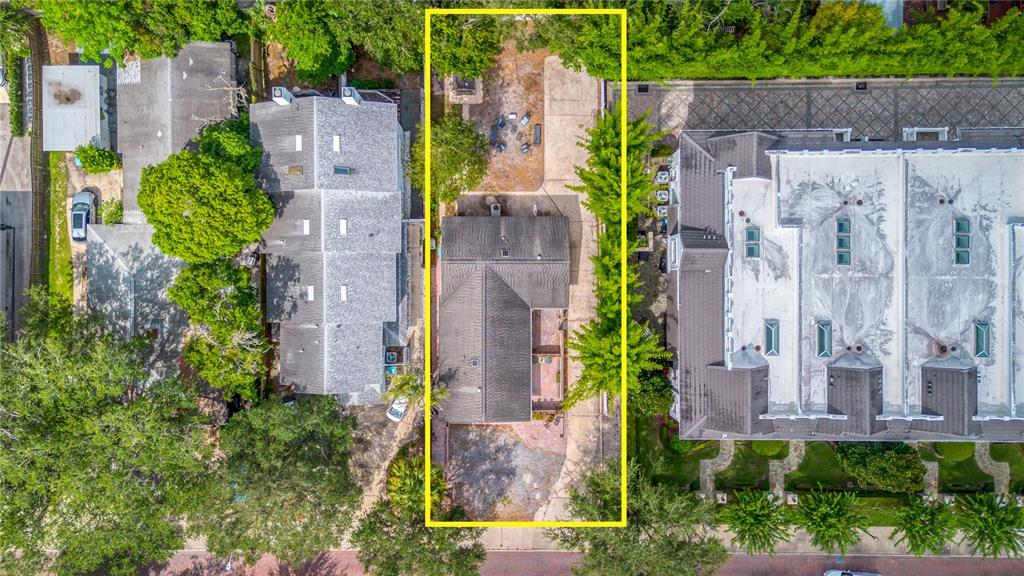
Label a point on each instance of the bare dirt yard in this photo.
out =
(514, 84)
(505, 472)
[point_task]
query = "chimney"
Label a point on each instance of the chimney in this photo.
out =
(350, 96)
(282, 96)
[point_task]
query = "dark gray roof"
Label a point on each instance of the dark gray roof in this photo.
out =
(165, 103)
(855, 393)
(328, 345)
(127, 286)
(484, 328)
(952, 394)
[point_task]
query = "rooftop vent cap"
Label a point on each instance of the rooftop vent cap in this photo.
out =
(282, 96)
(350, 96)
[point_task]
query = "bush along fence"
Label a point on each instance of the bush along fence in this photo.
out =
(597, 344)
(789, 39)
(13, 72)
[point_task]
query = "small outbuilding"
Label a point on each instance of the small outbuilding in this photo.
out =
(73, 108)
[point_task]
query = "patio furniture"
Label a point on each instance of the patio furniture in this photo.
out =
(536, 134)
(501, 121)
(500, 147)
(524, 120)
(524, 148)
(494, 134)
(512, 116)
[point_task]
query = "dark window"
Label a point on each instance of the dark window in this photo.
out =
(771, 337)
(824, 347)
(982, 339)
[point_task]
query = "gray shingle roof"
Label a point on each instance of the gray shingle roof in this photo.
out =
(128, 279)
(169, 106)
(334, 343)
(485, 320)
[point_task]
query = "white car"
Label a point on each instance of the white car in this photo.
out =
(849, 573)
(81, 214)
(397, 409)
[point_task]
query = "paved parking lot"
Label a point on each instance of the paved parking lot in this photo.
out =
(881, 110)
(15, 211)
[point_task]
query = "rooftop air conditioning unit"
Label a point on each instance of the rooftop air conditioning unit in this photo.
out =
(495, 209)
(282, 96)
(350, 96)
(661, 177)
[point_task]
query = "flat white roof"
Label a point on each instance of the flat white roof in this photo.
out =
(71, 107)
(902, 296)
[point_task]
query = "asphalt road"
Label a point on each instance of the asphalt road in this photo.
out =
(15, 211)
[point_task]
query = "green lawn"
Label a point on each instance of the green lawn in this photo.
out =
(61, 277)
(963, 476)
(647, 441)
(819, 468)
(880, 510)
(747, 470)
(1014, 455)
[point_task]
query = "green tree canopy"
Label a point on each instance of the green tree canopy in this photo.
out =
(93, 463)
(148, 28)
(393, 539)
(991, 524)
(228, 140)
(758, 521)
(201, 207)
(832, 519)
(925, 527)
(466, 45)
(458, 159)
(889, 466)
(668, 531)
(283, 486)
(14, 30)
(228, 346)
(794, 39)
(314, 37)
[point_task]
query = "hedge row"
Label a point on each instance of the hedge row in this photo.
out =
(12, 69)
(788, 39)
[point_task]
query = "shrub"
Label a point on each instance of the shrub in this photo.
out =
(769, 448)
(96, 160)
(662, 151)
(12, 69)
(954, 451)
(889, 466)
(680, 446)
(371, 83)
(112, 212)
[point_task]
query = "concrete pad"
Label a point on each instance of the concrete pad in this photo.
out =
(571, 103)
(14, 157)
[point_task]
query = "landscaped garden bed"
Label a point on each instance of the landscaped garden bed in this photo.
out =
(958, 472)
(655, 445)
(749, 466)
(1013, 454)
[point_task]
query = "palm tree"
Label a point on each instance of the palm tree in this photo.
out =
(832, 519)
(991, 524)
(406, 478)
(758, 521)
(15, 27)
(924, 526)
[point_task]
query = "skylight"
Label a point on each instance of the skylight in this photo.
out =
(961, 241)
(844, 242)
(771, 337)
(824, 332)
(753, 242)
(982, 339)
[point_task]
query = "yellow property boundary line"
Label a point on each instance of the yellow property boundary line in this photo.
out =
(621, 12)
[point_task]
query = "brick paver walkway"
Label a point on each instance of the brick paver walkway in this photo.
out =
(881, 111)
(709, 468)
(777, 469)
(1000, 471)
(931, 478)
